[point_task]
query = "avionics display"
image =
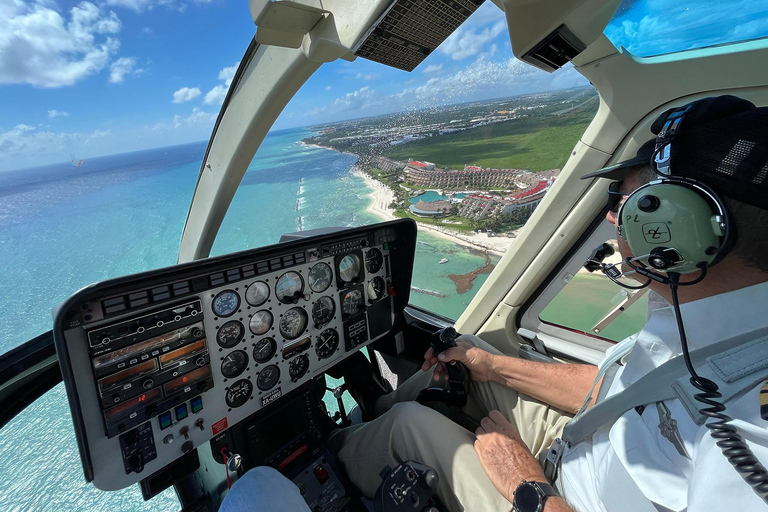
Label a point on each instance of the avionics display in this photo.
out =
(156, 364)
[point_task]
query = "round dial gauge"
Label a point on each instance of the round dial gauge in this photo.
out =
(327, 343)
(293, 323)
(353, 303)
(349, 267)
(264, 349)
(226, 303)
(257, 294)
(289, 288)
(373, 260)
(260, 322)
(268, 377)
(298, 367)
(320, 277)
(323, 310)
(238, 393)
(230, 334)
(375, 289)
(234, 364)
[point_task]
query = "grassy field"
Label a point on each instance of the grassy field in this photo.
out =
(586, 299)
(464, 226)
(535, 144)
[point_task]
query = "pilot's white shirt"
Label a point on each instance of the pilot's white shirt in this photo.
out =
(593, 474)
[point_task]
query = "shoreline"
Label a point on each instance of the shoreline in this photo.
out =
(382, 196)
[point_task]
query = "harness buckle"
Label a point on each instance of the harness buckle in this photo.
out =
(554, 456)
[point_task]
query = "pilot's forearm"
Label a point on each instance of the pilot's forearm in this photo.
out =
(563, 386)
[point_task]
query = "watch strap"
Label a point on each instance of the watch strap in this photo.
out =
(547, 489)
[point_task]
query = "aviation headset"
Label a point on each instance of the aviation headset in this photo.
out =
(679, 225)
(674, 224)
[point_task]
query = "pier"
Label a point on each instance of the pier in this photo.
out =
(428, 292)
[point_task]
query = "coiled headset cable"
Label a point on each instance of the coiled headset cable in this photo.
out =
(727, 438)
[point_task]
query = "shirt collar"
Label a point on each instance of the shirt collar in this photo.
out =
(706, 321)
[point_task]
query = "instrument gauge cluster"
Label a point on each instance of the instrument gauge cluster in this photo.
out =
(171, 358)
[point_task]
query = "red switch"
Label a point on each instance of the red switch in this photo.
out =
(321, 473)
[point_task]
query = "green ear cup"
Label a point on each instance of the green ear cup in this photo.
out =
(671, 226)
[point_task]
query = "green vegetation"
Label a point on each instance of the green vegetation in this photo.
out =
(534, 144)
(464, 226)
(586, 299)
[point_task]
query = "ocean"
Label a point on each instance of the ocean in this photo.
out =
(63, 227)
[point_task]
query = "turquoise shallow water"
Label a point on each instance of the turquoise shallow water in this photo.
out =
(62, 228)
(430, 196)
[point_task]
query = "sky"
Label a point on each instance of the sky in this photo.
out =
(80, 79)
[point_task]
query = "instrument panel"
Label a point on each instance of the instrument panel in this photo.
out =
(159, 363)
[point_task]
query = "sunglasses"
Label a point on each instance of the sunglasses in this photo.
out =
(615, 195)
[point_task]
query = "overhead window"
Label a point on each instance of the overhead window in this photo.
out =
(656, 27)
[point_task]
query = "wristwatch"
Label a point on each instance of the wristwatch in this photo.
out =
(531, 496)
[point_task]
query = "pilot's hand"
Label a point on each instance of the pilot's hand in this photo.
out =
(478, 361)
(505, 457)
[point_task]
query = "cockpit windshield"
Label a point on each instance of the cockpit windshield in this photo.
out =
(656, 27)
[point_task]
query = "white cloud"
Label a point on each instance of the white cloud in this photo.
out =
(367, 76)
(484, 79)
(121, 68)
(141, 5)
(197, 118)
(228, 73)
(24, 140)
(327, 87)
(216, 95)
(355, 100)
(186, 94)
(57, 113)
(466, 42)
(39, 47)
(432, 68)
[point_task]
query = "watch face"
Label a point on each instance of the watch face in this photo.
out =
(527, 498)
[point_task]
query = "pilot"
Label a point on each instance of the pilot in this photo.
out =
(653, 457)
(630, 464)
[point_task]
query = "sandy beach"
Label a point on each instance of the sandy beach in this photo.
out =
(382, 196)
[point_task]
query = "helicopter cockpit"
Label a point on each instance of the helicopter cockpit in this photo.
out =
(190, 375)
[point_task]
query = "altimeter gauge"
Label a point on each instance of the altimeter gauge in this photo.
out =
(225, 303)
(327, 343)
(257, 293)
(320, 277)
(292, 323)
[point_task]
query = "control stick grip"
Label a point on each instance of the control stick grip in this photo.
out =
(444, 339)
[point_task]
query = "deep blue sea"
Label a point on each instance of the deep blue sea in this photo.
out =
(63, 227)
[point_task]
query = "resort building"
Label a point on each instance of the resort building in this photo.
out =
(432, 208)
(424, 174)
(480, 206)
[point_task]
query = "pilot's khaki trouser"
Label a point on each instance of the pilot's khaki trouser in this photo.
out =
(410, 431)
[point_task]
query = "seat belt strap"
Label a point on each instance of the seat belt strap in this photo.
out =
(607, 365)
(734, 364)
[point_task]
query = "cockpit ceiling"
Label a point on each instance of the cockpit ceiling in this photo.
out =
(410, 30)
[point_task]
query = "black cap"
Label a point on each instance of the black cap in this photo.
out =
(720, 142)
(619, 170)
